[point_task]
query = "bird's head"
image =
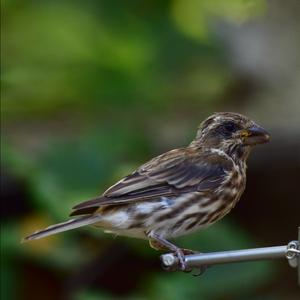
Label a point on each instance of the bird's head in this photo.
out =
(232, 133)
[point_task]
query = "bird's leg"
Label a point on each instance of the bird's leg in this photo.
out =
(159, 243)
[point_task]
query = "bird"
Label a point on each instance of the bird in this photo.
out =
(178, 192)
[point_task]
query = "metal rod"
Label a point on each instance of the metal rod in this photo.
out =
(213, 258)
(291, 252)
(237, 256)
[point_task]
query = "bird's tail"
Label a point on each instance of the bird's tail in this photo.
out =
(60, 227)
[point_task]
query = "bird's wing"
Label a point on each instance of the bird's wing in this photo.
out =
(177, 171)
(172, 173)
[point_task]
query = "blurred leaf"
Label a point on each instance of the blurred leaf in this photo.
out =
(71, 171)
(193, 17)
(10, 240)
(92, 295)
(71, 43)
(8, 278)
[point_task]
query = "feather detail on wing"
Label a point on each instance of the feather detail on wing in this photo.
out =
(172, 173)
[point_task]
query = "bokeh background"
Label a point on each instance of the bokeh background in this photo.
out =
(91, 89)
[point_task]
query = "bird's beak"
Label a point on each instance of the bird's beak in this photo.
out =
(255, 135)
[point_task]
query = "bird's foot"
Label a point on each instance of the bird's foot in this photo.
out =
(180, 253)
(199, 271)
(181, 257)
(160, 243)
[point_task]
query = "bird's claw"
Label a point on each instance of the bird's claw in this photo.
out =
(181, 257)
(201, 270)
(180, 253)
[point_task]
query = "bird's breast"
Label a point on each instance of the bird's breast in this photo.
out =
(229, 193)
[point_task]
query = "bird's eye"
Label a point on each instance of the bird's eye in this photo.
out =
(230, 126)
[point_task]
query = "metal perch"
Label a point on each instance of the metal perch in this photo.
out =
(291, 252)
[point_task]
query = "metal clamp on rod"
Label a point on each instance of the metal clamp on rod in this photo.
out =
(291, 252)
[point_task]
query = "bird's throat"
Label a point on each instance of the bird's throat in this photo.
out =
(239, 153)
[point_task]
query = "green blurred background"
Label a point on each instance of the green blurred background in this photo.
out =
(91, 89)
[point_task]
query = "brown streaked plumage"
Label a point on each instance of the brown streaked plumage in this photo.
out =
(178, 192)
